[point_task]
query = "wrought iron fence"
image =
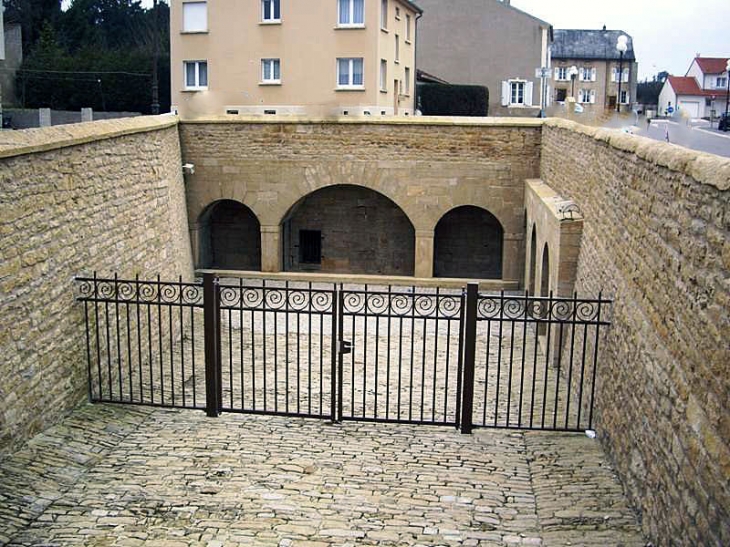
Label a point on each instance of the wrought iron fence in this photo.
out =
(423, 356)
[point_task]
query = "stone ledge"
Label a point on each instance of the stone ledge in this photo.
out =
(29, 141)
(453, 121)
(703, 167)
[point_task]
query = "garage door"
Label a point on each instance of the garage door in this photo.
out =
(690, 108)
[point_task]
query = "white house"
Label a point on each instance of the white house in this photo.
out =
(702, 90)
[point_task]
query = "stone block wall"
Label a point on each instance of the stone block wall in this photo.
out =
(657, 221)
(426, 166)
(105, 196)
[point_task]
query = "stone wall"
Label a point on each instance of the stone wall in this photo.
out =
(105, 196)
(426, 166)
(657, 220)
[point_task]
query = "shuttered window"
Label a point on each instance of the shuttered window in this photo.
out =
(195, 17)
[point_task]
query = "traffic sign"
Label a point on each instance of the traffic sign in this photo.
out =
(543, 73)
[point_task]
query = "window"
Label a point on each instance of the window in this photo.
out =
(614, 75)
(270, 71)
(517, 93)
(561, 73)
(561, 95)
(351, 13)
(384, 14)
(407, 89)
(397, 48)
(587, 74)
(195, 17)
(397, 13)
(624, 97)
(271, 11)
(350, 73)
(587, 96)
(383, 75)
(408, 28)
(721, 82)
(196, 75)
(310, 247)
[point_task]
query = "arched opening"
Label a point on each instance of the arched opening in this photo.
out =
(229, 237)
(348, 229)
(468, 243)
(545, 281)
(533, 260)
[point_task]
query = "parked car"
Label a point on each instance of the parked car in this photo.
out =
(724, 124)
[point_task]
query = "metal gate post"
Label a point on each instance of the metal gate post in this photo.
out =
(335, 395)
(212, 345)
(470, 342)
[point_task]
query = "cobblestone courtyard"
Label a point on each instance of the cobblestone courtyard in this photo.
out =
(124, 476)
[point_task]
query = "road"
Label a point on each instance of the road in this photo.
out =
(694, 136)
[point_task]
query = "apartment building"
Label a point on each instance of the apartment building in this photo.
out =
(313, 57)
(588, 66)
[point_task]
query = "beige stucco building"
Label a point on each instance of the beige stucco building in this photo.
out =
(319, 57)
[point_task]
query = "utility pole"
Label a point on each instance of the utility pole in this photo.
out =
(155, 57)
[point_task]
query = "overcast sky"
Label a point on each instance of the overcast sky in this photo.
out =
(667, 33)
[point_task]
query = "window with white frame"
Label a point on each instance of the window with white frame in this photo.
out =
(517, 92)
(270, 71)
(721, 82)
(407, 89)
(587, 74)
(195, 17)
(351, 13)
(196, 75)
(383, 75)
(397, 48)
(624, 72)
(350, 73)
(561, 73)
(408, 28)
(624, 97)
(271, 11)
(587, 96)
(384, 14)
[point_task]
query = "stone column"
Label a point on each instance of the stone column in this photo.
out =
(424, 253)
(271, 249)
(513, 257)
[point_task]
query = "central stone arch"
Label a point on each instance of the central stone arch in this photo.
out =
(468, 242)
(347, 228)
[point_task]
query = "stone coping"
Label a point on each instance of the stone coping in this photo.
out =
(42, 139)
(703, 167)
(404, 281)
(550, 198)
(367, 120)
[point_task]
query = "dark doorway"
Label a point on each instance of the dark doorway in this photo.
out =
(229, 237)
(545, 282)
(468, 243)
(348, 229)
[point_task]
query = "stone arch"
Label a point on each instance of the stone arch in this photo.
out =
(532, 282)
(229, 237)
(468, 242)
(545, 273)
(348, 228)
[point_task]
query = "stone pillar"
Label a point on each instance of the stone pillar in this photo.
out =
(271, 249)
(424, 253)
(44, 117)
(87, 114)
(513, 257)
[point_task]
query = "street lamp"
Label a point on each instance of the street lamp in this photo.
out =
(727, 98)
(621, 46)
(573, 72)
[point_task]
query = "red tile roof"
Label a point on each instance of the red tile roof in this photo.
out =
(687, 85)
(712, 65)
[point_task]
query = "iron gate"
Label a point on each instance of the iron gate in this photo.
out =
(379, 354)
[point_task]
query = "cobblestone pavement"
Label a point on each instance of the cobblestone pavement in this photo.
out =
(125, 476)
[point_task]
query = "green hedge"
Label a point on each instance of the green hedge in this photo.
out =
(453, 100)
